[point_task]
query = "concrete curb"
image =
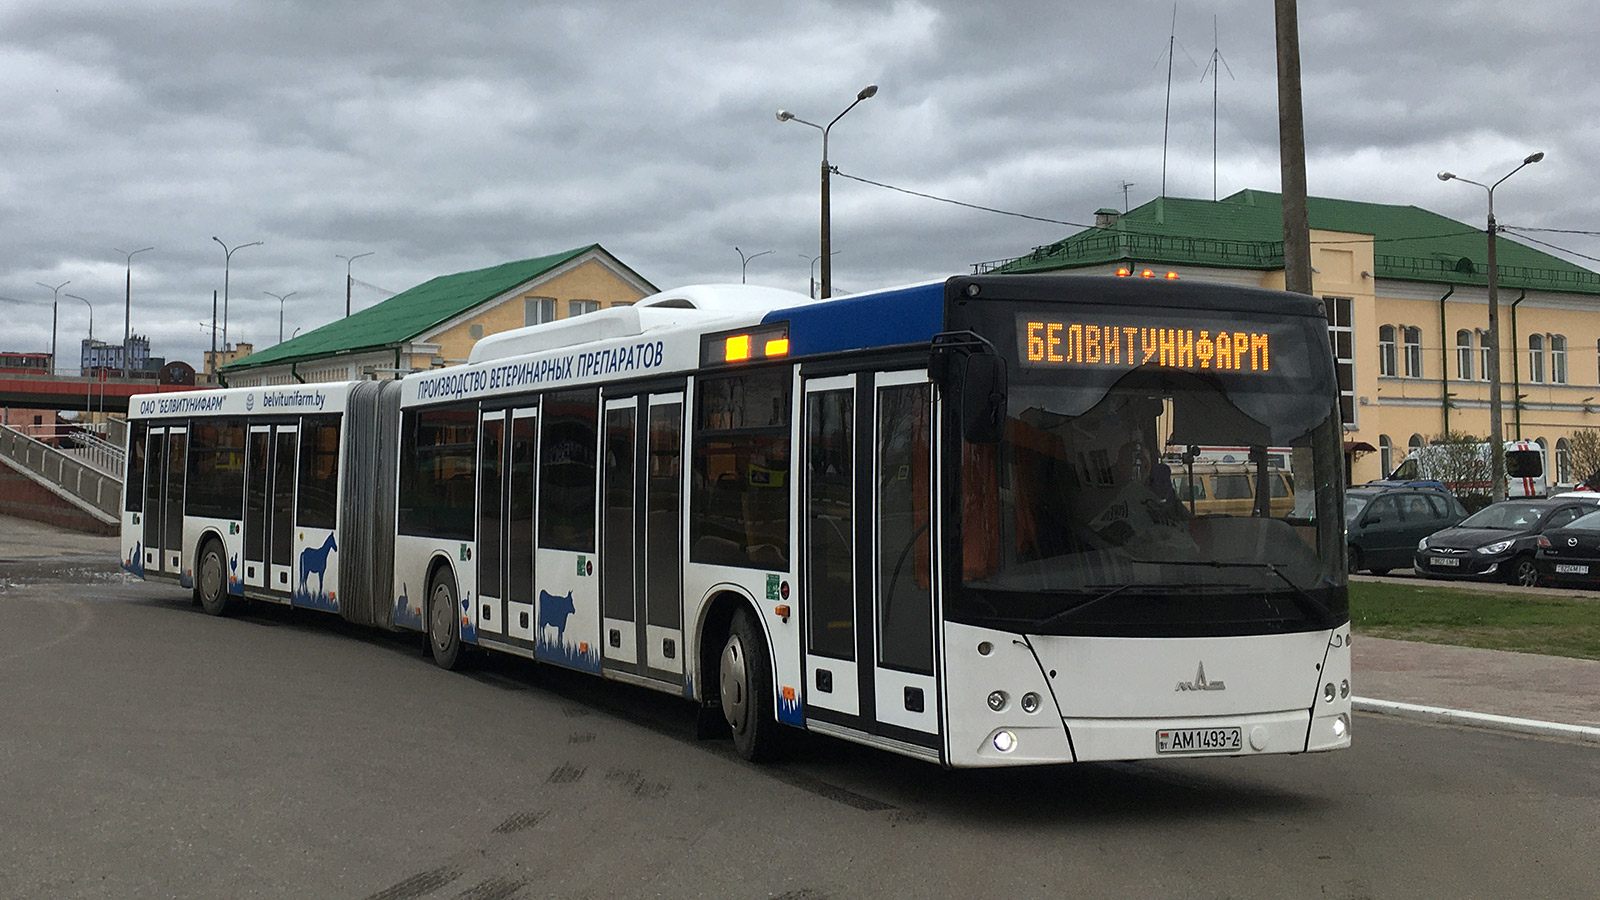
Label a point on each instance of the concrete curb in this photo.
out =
(1475, 719)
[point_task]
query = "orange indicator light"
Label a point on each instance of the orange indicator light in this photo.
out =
(738, 348)
(1147, 273)
(1123, 273)
(777, 347)
(1172, 276)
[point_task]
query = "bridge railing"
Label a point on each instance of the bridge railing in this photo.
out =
(96, 492)
(82, 442)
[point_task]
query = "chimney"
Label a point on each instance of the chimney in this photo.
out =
(1105, 217)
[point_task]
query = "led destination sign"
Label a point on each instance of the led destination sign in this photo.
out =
(1050, 342)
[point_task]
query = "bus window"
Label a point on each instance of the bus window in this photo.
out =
(133, 485)
(319, 472)
(740, 511)
(567, 468)
(436, 473)
(216, 469)
(905, 593)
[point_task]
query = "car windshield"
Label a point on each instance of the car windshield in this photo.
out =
(1506, 517)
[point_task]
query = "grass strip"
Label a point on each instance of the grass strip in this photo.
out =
(1528, 623)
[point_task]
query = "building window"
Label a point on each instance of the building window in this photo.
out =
(1536, 358)
(1385, 455)
(1341, 334)
(1413, 336)
(1484, 349)
(1417, 442)
(1387, 365)
(1558, 359)
(538, 310)
(579, 307)
(1464, 354)
(1563, 461)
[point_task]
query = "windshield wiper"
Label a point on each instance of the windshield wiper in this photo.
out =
(1302, 596)
(1073, 610)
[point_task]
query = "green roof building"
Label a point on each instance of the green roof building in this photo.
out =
(436, 323)
(1407, 299)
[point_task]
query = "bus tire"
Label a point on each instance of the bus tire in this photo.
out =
(444, 621)
(211, 579)
(744, 678)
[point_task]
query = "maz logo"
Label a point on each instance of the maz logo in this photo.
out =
(1200, 683)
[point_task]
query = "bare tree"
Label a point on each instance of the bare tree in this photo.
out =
(1583, 453)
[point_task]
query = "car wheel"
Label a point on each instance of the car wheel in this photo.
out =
(1379, 571)
(1354, 560)
(1524, 572)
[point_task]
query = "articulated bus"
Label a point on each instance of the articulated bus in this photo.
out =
(943, 520)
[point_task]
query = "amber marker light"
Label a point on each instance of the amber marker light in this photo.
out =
(1147, 273)
(1172, 276)
(1123, 273)
(777, 347)
(738, 348)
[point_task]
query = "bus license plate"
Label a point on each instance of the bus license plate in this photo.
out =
(1198, 740)
(1570, 569)
(1444, 561)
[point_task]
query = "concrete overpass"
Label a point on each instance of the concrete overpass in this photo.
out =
(78, 393)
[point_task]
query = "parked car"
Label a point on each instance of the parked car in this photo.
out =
(1230, 489)
(1498, 541)
(1570, 555)
(1382, 524)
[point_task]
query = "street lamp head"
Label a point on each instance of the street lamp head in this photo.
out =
(1446, 176)
(1533, 158)
(784, 115)
(868, 91)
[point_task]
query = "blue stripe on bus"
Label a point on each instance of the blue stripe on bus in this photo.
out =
(880, 319)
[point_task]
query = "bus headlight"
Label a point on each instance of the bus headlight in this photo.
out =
(997, 700)
(1341, 726)
(1005, 741)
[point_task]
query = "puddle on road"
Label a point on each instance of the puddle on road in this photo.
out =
(18, 573)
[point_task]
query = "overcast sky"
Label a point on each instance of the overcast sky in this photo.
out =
(446, 137)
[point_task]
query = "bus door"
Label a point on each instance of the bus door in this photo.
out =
(166, 456)
(661, 506)
(491, 534)
(522, 454)
(620, 458)
(269, 506)
(905, 688)
(280, 508)
(867, 586)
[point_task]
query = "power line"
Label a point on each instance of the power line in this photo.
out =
(1550, 245)
(1556, 230)
(991, 209)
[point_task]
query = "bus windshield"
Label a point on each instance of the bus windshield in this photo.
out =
(1169, 503)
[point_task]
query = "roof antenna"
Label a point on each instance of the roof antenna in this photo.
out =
(1125, 185)
(1166, 118)
(1212, 69)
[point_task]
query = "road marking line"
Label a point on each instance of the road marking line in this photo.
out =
(1481, 720)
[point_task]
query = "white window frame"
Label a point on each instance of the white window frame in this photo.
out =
(1536, 359)
(1388, 363)
(1464, 340)
(1558, 359)
(1413, 350)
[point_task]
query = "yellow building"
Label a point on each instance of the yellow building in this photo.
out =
(1407, 301)
(436, 323)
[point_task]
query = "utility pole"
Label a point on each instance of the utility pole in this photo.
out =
(1292, 152)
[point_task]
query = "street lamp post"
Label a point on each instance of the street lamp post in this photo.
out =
(227, 264)
(348, 278)
(813, 272)
(1497, 449)
(744, 261)
(88, 387)
(786, 116)
(54, 309)
(280, 298)
(127, 310)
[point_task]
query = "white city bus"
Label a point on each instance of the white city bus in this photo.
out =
(942, 520)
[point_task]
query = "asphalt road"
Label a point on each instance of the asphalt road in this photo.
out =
(147, 750)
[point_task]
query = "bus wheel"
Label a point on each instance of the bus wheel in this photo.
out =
(210, 584)
(444, 628)
(745, 679)
(1354, 557)
(1524, 572)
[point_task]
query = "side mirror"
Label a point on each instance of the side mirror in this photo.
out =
(983, 399)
